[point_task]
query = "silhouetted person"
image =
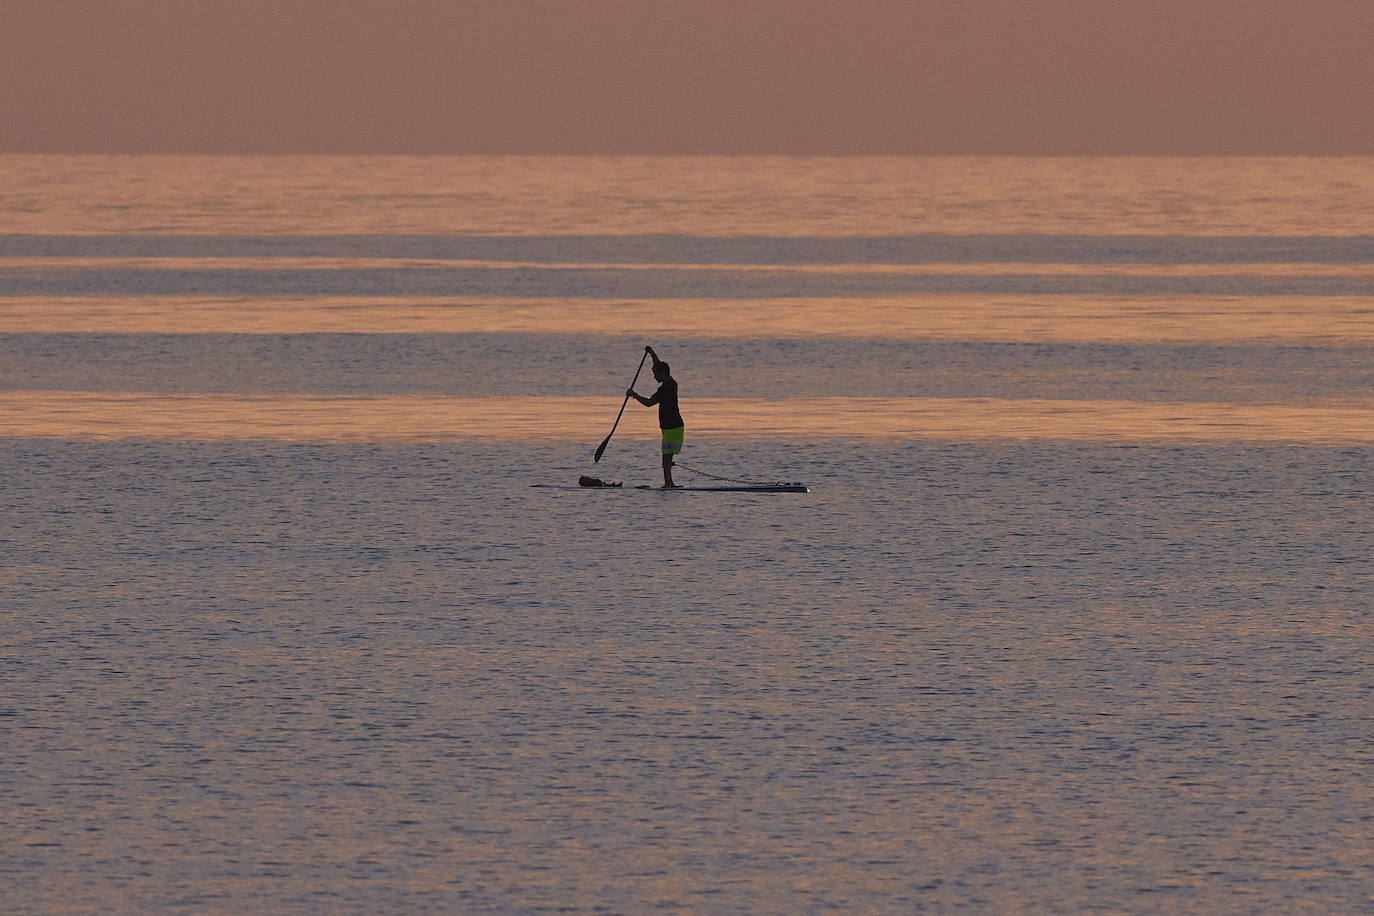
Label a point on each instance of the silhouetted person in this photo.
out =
(669, 419)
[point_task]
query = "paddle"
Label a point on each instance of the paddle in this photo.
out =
(601, 449)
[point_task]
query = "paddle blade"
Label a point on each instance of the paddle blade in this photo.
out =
(601, 449)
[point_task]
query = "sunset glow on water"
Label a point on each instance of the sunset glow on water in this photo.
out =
(417, 418)
(1332, 321)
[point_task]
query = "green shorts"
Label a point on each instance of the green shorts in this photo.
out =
(672, 440)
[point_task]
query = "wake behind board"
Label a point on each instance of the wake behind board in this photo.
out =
(776, 488)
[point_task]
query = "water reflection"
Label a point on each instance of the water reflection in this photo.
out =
(115, 415)
(1328, 320)
(697, 195)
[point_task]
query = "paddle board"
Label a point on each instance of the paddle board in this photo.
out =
(779, 488)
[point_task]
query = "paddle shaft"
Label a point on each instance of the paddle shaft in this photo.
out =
(600, 450)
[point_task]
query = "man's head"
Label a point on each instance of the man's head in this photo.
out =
(660, 371)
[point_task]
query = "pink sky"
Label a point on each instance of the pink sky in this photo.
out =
(688, 76)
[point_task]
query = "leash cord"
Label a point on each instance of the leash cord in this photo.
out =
(748, 483)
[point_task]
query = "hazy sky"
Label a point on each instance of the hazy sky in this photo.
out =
(688, 76)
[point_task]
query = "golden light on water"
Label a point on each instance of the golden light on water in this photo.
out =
(417, 418)
(1328, 320)
(694, 195)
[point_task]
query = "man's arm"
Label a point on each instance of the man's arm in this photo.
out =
(652, 399)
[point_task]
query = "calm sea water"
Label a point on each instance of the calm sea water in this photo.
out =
(1077, 615)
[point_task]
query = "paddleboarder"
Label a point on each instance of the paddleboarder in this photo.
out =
(669, 418)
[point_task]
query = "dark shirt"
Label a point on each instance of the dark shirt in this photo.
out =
(666, 399)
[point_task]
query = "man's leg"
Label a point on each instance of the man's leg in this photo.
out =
(672, 444)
